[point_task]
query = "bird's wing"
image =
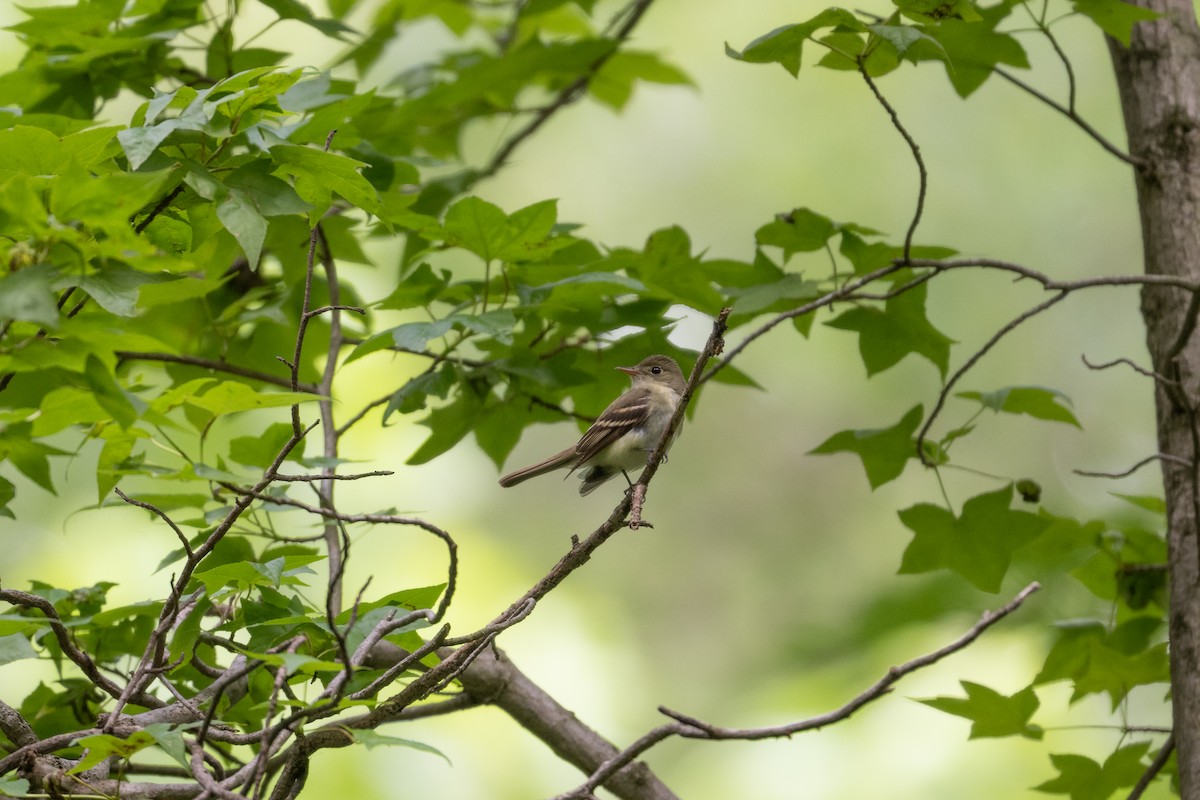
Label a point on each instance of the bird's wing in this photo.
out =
(627, 412)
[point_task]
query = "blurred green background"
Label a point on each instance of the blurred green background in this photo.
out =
(766, 591)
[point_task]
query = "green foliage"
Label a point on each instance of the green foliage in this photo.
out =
(1081, 778)
(992, 714)
(978, 544)
(1036, 402)
(888, 334)
(884, 451)
(168, 286)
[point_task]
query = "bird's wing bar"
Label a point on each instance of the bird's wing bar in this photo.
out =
(626, 413)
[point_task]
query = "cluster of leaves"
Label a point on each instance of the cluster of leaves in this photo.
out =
(1121, 565)
(962, 35)
(154, 274)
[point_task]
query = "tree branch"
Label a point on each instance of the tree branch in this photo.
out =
(972, 361)
(923, 176)
(1070, 113)
(216, 366)
(692, 728)
(573, 91)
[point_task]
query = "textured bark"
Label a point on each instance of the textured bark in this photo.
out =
(494, 679)
(1159, 81)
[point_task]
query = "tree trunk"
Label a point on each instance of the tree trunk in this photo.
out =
(1159, 81)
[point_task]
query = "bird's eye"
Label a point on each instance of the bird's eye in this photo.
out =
(656, 370)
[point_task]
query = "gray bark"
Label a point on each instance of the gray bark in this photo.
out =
(1159, 81)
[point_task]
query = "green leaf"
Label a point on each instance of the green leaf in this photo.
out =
(411, 599)
(1035, 401)
(496, 324)
(801, 231)
(7, 492)
(1139, 588)
(613, 83)
(261, 449)
(294, 9)
(902, 37)
(185, 635)
(270, 196)
(784, 45)
(26, 295)
(140, 143)
(1099, 661)
(169, 737)
(115, 457)
(317, 173)
(845, 48)
(13, 787)
(977, 545)
(107, 200)
(887, 335)
(1106, 575)
(1081, 778)
(418, 288)
(111, 397)
(116, 289)
(30, 150)
(992, 714)
(936, 10)
(101, 746)
(28, 456)
(228, 397)
(1152, 503)
(447, 426)
(499, 429)
(971, 50)
(415, 335)
(1114, 17)
(244, 574)
(884, 451)
(667, 265)
(414, 394)
(15, 648)
(241, 218)
(485, 230)
(870, 256)
(372, 739)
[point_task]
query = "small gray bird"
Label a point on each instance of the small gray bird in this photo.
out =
(625, 434)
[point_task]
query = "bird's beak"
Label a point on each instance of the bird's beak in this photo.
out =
(628, 370)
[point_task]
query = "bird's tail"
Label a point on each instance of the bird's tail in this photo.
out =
(558, 461)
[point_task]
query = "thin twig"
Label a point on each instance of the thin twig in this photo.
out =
(712, 347)
(1070, 114)
(378, 519)
(824, 300)
(153, 509)
(972, 361)
(1147, 460)
(570, 93)
(1160, 761)
(692, 728)
(77, 656)
(1129, 363)
(216, 366)
(923, 179)
(379, 473)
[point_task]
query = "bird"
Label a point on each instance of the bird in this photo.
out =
(625, 433)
